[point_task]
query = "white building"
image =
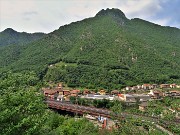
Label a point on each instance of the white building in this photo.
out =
(98, 97)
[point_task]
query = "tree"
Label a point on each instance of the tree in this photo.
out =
(22, 112)
(116, 110)
(72, 99)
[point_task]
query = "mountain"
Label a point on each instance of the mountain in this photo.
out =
(12, 43)
(10, 36)
(106, 51)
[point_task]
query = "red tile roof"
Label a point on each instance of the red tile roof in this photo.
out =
(174, 91)
(75, 91)
(146, 84)
(50, 92)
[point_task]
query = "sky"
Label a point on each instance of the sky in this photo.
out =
(47, 15)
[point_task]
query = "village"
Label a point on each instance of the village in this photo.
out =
(128, 95)
(136, 97)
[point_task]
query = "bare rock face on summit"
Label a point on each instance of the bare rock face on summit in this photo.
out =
(116, 14)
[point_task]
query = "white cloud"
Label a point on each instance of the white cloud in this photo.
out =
(141, 8)
(10, 8)
(163, 22)
(48, 15)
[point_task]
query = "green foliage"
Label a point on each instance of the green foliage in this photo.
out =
(104, 103)
(76, 127)
(21, 108)
(13, 43)
(9, 81)
(73, 100)
(174, 128)
(23, 112)
(108, 50)
(86, 76)
(117, 107)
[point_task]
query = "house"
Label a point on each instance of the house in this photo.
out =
(92, 92)
(64, 92)
(56, 95)
(163, 86)
(50, 93)
(127, 97)
(102, 92)
(172, 85)
(85, 92)
(155, 94)
(60, 86)
(74, 93)
(128, 88)
(114, 92)
(131, 88)
(60, 98)
(47, 92)
(142, 97)
(133, 98)
(134, 88)
(66, 97)
(174, 93)
(146, 86)
(154, 86)
(139, 87)
(98, 97)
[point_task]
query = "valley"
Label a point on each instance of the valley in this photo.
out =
(109, 74)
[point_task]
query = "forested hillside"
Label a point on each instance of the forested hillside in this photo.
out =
(108, 51)
(12, 43)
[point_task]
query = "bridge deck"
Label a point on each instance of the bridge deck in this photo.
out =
(78, 108)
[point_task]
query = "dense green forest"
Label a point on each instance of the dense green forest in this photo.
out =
(108, 51)
(12, 43)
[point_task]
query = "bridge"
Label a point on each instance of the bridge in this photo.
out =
(79, 109)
